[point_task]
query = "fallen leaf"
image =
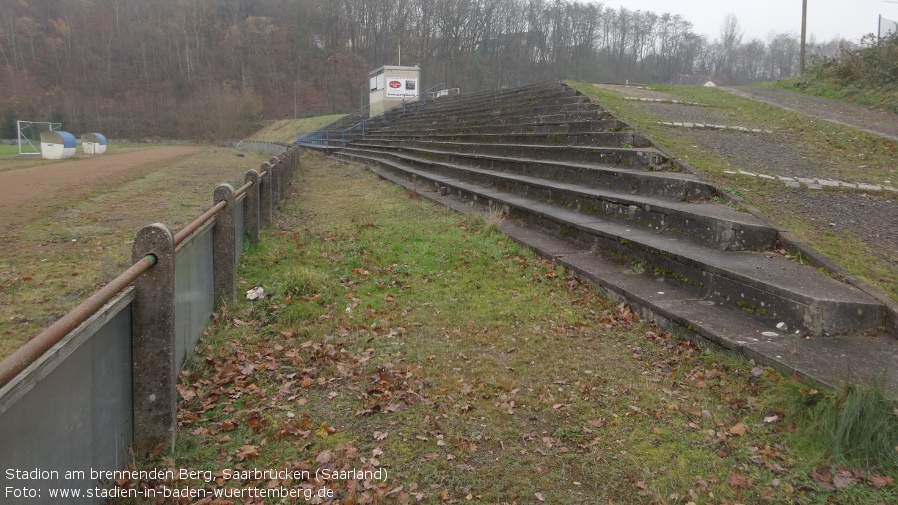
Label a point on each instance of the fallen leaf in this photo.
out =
(738, 481)
(248, 452)
(739, 429)
(596, 423)
(324, 430)
(822, 473)
(843, 480)
(539, 496)
(879, 481)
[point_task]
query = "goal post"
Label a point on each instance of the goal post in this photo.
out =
(29, 134)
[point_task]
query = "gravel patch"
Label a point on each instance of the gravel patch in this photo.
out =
(873, 218)
(679, 113)
(765, 153)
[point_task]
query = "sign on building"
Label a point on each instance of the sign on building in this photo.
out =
(402, 87)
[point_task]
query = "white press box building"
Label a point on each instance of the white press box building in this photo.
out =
(390, 85)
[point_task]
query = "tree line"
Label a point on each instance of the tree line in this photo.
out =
(212, 69)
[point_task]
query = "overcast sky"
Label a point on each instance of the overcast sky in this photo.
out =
(849, 19)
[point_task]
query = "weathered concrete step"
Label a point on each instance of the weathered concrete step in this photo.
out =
(713, 224)
(520, 126)
(488, 107)
(620, 169)
(578, 147)
(831, 361)
(766, 286)
(560, 100)
(555, 93)
(453, 139)
(512, 118)
(561, 105)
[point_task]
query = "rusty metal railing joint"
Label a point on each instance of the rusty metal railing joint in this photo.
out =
(53, 334)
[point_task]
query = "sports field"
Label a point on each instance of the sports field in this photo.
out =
(66, 226)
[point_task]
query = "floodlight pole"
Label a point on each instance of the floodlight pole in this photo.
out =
(804, 31)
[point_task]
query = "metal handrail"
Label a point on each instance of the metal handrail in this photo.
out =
(28, 353)
(196, 223)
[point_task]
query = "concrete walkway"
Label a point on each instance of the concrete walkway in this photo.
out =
(874, 122)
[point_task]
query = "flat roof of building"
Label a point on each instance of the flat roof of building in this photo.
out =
(384, 68)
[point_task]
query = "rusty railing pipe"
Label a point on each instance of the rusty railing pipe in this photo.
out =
(243, 189)
(193, 226)
(50, 336)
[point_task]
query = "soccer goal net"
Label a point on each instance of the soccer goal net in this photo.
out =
(29, 133)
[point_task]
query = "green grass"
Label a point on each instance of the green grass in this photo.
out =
(7, 151)
(399, 335)
(874, 98)
(863, 76)
(841, 146)
(50, 265)
(285, 130)
(852, 423)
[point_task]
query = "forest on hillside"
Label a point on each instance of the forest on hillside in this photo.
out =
(213, 69)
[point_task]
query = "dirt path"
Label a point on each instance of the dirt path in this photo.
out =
(31, 193)
(878, 123)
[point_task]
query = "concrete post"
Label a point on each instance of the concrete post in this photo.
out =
(286, 160)
(285, 176)
(251, 208)
(294, 151)
(275, 184)
(279, 181)
(265, 206)
(153, 344)
(224, 246)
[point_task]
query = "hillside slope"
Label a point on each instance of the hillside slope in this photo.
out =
(867, 76)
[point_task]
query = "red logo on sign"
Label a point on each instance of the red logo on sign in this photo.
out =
(395, 84)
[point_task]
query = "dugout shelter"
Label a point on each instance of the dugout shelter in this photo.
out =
(93, 143)
(57, 145)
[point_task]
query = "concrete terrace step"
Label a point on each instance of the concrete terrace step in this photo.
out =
(523, 125)
(771, 289)
(554, 96)
(539, 90)
(455, 140)
(622, 169)
(598, 121)
(831, 360)
(715, 225)
(503, 117)
(564, 168)
(578, 146)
